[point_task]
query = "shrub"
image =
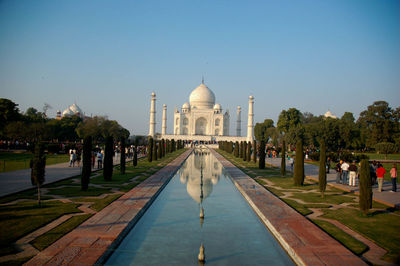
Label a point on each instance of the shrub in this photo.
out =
(299, 164)
(236, 151)
(122, 166)
(254, 151)
(283, 160)
(322, 169)
(248, 151)
(261, 152)
(365, 197)
(87, 162)
(150, 150)
(38, 166)
(108, 159)
(53, 148)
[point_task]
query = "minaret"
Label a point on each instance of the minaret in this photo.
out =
(152, 115)
(250, 134)
(238, 122)
(164, 120)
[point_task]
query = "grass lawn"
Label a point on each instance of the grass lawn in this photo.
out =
(23, 218)
(99, 204)
(380, 226)
(16, 161)
(56, 233)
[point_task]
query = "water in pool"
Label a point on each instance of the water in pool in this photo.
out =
(171, 231)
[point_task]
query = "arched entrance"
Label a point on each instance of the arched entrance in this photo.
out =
(201, 125)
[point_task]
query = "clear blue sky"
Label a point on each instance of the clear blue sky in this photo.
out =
(108, 56)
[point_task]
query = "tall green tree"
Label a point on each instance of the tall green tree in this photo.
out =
(236, 151)
(244, 151)
(163, 147)
(254, 151)
(123, 159)
(379, 123)
(9, 112)
(241, 149)
(87, 162)
(155, 157)
(38, 165)
(135, 153)
(322, 168)
(261, 153)
(365, 197)
(248, 151)
(299, 164)
(150, 149)
(283, 161)
(108, 159)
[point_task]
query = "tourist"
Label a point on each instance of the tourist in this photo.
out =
(78, 158)
(373, 169)
(345, 172)
(328, 164)
(380, 173)
(353, 174)
(393, 175)
(339, 172)
(72, 158)
(291, 163)
(99, 160)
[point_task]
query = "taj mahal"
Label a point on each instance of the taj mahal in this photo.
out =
(201, 119)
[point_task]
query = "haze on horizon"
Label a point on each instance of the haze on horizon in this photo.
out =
(109, 56)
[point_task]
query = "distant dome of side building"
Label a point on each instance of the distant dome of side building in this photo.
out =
(329, 114)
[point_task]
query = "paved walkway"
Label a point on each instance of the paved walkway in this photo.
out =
(303, 240)
(311, 171)
(92, 241)
(20, 180)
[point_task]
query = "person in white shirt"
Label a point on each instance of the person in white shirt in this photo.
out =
(345, 172)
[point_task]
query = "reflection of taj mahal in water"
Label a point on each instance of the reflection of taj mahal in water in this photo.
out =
(190, 174)
(201, 119)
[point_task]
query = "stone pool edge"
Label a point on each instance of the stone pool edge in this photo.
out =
(304, 242)
(93, 241)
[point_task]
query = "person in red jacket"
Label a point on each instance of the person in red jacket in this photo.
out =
(380, 173)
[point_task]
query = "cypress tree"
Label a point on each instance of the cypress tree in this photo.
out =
(163, 147)
(38, 166)
(244, 150)
(249, 151)
(365, 197)
(134, 156)
(261, 153)
(155, 150)
(159, 150)
(87, 164)
(299, 164)
(322, 168)
(236, 153)
(254, 151)
(283, 161)
(108, 159)
(150, 150)
(123, 160)
(173, 148)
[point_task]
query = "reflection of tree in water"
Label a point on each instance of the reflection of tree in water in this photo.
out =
(190, 174)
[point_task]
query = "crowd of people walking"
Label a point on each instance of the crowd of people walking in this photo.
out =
(348, 174)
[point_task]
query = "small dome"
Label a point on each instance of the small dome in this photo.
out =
(329, 114)
(202, 97)
(67, 112)
(75, 109)
(217, 107)
(185, 106)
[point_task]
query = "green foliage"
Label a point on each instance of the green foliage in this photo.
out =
(163, 147)
(241, 152)
(8, 113)
(264, 131)
(87, 162)
(237, 148)
(248, 151)
(244, 151)
(123, 159)
(254, 151)
(150, 149)
(283, 160)
(386, 148)
(159, 150)
(108, 158)
(173, 146)
(365, 197)
(38, 166)
(322, 169)
(299, 164)
(155, 157)
(289, 119)
(261, 152)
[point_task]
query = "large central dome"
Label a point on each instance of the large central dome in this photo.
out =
(202, 97)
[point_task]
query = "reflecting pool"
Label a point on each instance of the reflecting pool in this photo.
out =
(171, 230)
